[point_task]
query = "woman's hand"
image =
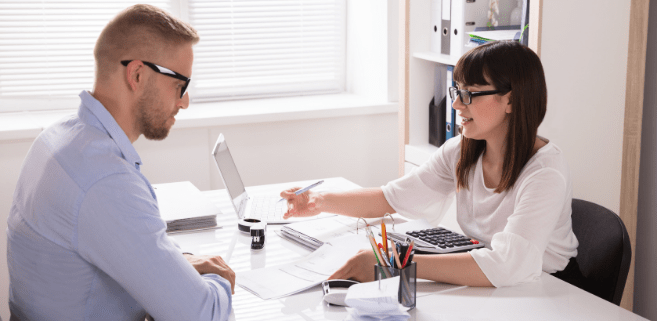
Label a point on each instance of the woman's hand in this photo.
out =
(302, 205)
(360, 267)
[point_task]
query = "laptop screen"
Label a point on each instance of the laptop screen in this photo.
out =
(228, 171)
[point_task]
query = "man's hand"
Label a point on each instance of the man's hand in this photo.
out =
(359, 267)
(304, 204)
(205, 264)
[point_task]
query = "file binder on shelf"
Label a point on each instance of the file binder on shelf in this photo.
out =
(451, 22)
(457, 123)
(437, 107)
(449, 111)
(436, 119)
(445, 27)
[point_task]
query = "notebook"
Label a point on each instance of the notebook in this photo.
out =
(262, 207)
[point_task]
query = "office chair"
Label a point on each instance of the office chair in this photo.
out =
(604, 252)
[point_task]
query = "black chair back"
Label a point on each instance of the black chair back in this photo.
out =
(604, 251)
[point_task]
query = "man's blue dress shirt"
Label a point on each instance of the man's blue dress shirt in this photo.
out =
(85, 240)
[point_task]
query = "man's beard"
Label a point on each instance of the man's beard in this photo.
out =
(151, 119)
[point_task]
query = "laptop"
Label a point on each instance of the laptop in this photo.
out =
(266, 208)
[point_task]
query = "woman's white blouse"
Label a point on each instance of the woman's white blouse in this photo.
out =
(526, 229)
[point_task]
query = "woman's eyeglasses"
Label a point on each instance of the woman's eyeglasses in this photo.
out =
(466, 96)
(166, 72)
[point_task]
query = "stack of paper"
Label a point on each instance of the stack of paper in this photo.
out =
(376, 300)
(494, 35)
(183, 207)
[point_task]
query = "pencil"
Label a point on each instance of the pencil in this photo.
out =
(396, 255)
(377, 250)
(374, 248)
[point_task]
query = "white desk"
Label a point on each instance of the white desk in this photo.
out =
(547, 299)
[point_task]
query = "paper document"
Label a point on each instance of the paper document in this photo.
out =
(183, 206)
(284, 280)
(376, 300)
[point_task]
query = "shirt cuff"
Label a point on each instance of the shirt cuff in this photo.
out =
(510, 261)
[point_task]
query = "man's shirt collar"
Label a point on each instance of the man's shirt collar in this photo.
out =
(111, 127)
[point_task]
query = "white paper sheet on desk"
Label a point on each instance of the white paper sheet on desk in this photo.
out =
(375, 301)
(288, 279)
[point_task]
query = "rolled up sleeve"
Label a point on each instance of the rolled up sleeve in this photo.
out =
(516, 254)
(424, 192)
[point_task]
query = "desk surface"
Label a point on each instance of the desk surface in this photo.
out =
(547, 299)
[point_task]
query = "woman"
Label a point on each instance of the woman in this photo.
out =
(513, 189)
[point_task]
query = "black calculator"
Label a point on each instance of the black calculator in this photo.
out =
(438, 240)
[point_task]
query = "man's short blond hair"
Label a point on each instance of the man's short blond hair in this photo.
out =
(141, 32)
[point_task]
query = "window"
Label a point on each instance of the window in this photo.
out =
(248, 48)
(267, 48)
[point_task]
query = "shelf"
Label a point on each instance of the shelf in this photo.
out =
(436, 57)
(419, 154)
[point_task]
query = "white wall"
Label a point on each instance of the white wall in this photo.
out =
(362, 149)
(645, 289)
(584, 54)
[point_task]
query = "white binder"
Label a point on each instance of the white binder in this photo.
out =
(445, 27)
(466, 15)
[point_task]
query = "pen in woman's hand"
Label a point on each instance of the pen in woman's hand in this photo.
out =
(305, 189)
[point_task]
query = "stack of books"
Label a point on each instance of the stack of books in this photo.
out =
(184, 208)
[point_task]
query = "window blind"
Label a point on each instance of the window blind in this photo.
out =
(267, 48)
(248, 48)
(46, 47)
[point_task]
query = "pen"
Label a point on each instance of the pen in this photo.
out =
(305, 189)
(391, 257)
(383, 254)
(385, 237)
(408, 253)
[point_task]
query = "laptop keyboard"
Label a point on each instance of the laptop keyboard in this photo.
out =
(267, 208)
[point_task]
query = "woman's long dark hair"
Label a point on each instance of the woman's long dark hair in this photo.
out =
(512, 67)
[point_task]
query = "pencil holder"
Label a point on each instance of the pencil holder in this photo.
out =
(407, 282)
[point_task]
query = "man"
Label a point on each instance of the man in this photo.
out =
(85, 240)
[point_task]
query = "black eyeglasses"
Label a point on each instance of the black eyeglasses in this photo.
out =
(166, 72)
(466, 96)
